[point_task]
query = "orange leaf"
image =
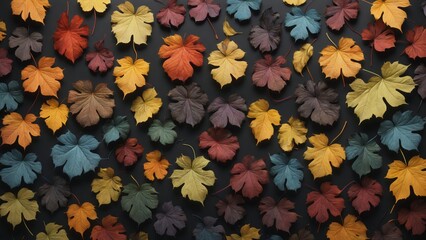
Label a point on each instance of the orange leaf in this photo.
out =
(43, 76)
(157, 165)
(110, 229)
(35, 9)
(78, 216)
(180, 55)
(15, 127)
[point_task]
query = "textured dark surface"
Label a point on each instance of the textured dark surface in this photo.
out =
(80, 186)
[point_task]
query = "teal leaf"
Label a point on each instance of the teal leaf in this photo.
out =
(11, 95)
(207, 230)
(75, 155)
(401, 130)
(139, 200)
(115, 129)
(303, 23)
(365, 153)
(19, 168)
(241, 8)
(288, 174)
(162, 133)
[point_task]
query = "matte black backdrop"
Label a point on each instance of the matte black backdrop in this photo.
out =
(73, 72)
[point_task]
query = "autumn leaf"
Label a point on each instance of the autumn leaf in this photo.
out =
(79, 215)
(231, 208)
(390, 11)
(54, 115)
(156, 165)
(11, 95)
(288, 174)
(19, 207)
(302, 234)
(101, 59)
(225, 112)
(340, 12)
(146, 106)
(34, 9)
(221, 143)
(139, 200)
(342, 59)
(53, 231)
(97, 5)
(280, 213)
(364, 152)
(163, 133)
(129, 152)
(302, 56)
(388, 231)
(417, 42)
(128, 23)
(130, 74)
(381, 36)
(302, 22)
(116, 129)
(323, 156)
(170, 219)
(414, 218)
(180, 54)
(107, 187)
(271, 72)
(172, 14)
(208, 229)
(294, 2)
(201, 9)
(351, 229)
(5, 63)
(3, 30)
(324, 202)
(264, 119)
(228, 30)
(241, 8)
(54, 195)
(365, 194)
(291, 133)
(267, 35)
(247, 233)
(15, 128)
(18, 169)
(420, 80)
(24, 42)
(70, 38)
(110, 229)
(43, 76)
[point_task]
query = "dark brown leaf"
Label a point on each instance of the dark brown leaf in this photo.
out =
(267, 35)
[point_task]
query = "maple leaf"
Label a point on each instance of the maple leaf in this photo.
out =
(365, 194)
(129, 152)
(208, 230)
(146, 106)
(227, 111)
(180, 54)
(318, 102)
(417, 39)
(54, 195)
(230, 208)
(302, 234)
(247, 233)
(90, 104)
(169, 220)
(269, 71)
(128, 23)
(414, 218)
(53, 232)
(3, 30)
(110, 229)
(303, 22)
(19, 207)
(368, 98)
(241, 8)
(388, 231)
(323, 156)
(267, 35)
(291, 133)
(79, 215)
(17, 168)
(221, 143)
(351, 229)
(287, 174)
(248, 175)
(365, 153)
(25, 42)
(390, 11)
(97, 5)
(54, 115)
(101, 59)
(340, 12)
(5, 63)
(172, 14)
(193, 177)
(11, 95)
(130, 74)
(70, 38)
(116, 129)
(163, 133)
(420, 80)
(381, 36)
(188, 103)
(139, 200)
(280, 213)
(407, 175)
(201, 9)
(107, 187)
(342, 59)
(294, 2)
(19, 129)
(43, 76)
(264, 119)
(325, 202)
(34, 9)
(302, 56)
(156, 165)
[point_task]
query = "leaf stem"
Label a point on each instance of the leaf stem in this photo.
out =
(420, 104)
(343, 80)
(309, 73)
(193, 151)
(313, 41)
(367, 2)
(196, 216)
(94, 22)
(35, 62)
(68, 7)
(288, 52)
(310, 187)
(214, 30)
(32, 104)
(28, 229)
(340, 133)
(328, 36)
(283, 99)
(372, 139)
(371, 57)
(134, 179)
(353, 30)
(373, 73)
(221, 190)
(76, 198)
(347, 185)
(403, 156)
(134, 50)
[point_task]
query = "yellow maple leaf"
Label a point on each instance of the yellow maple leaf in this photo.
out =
(157, 165)
(226, 59)
(146, 106)
(53, 232)
(228, 30)
(43, 76)
(351, 229)
(368, 98)
(293, 132)
(18, 128)
(302, 56)
(193, 177)
(322, 155)
(390, 11)
(247, 233)
(128, 23)
(130, 75)
(78, 216)
(107, 187)
(2, 30)
(341, 59)
(411, 175)
(55, 115)
(294, 2)
(264, 119)
(19, 206)
(34, 9)
(99, 5)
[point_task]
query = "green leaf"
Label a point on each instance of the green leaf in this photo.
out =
(19, 168)
(53, 232)
(139, 201)
(11, 95)
(365, 153)
(162, 133)
(117, 128)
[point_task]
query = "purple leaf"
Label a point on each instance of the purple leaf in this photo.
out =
(101, 59)
(203, 8)
(420, 79)
(231, 111)
(267, 35)
(172, 14)
(5, 63)
(171, 219)
(269, 71)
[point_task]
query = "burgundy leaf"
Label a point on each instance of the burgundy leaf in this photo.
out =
(172, 14)
(101, 59)
(230, 208)
(5, 63)
(267, 35)
(279, 213)
(420, 79)
(325, 201)
(171, 219)
(340, 12)
(366, 194)
(231, 111)
(414, 218)
(222, 145)
(389, 231)
(129, 153)
(381, 36)
(203, 8)
(269, 71)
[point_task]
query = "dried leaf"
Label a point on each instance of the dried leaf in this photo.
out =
(15, 128)
(417, 39)
(388, 231)
(208, 231)
(241, 8)
(172, 14)
(303, 23)
(231, 208)
(201, 9)
(146, 106)
(110, 229)
(78, 216)
(97, 5)
(3, 30)
(169, 220)
(280, 213)
(221, 143)
(20, 207)
(247, 232)
(227, 111)
(364, 152)
(129, 152)
(324, 202)
(228, 30)
(269, 71)
(302, 56)
(107, 187)
(17, 168)
(414, 218)
(351, 229)
(287, 174)
(36, 10)
(163, 133)
(381, 36)
(101, 59)
(11, 95)
(365, 194)
(420, 80)
(340, 12)
(264, 119)
(130, 74)
(291, 133)
(115, 129)
(55, 115)
(25, 42)
(156, 165)
(390, 11)
(267, 35)
(53, 232)
(138, 201)
(54, 195)
(5, 63)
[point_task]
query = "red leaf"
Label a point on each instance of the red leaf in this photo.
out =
(415, 217)
(248, 176)
(129, 152)
(5, 63)
(321, 203)
(172, 14)
(389, 231)
(279, 213)
(70, 38)
(101, 59)
(343, 11)
(269, 71)
(110, 229)
(222, 145)
(417, 38)
(202, 8)
(382, 36)
(230, 208)
(366, 194)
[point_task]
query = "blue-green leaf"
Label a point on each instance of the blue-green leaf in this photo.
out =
(117, 128)
(365, 153)
(139, 200)
(241, 8)
(207, 230)
(19, 168)
(303, 23)
(162, 133)
(288, 174)
(11, 95)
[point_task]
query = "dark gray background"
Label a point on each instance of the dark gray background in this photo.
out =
(186, 134)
